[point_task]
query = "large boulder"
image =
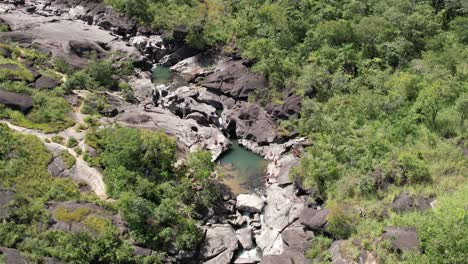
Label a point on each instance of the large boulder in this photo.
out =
(83, 47)
(282, 209)
(195, 66)
(250, 121)
(249, 203)
(16, 101)
(402, 239)
(405, 202)
(290, 107)
(233, 78)
(220, 245)
(13, 256)
(45, 82)
(295, 237)
(314, 219)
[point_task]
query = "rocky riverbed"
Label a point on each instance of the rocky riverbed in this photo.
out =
(205, 113)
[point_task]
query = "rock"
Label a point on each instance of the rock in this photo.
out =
(244, 235)
(314, 219)
(296, 238)
(16, 37)
(193, 67)
(232, 78)
(278, 171)
(5, 25)
(281, 210)
(178, 55)
(337, 254)
(16, 101)
(220, 244)
(402, 239)
(45, 82)
(142, 86)
(58, 168)
(250, 121)
(405, 202)
(152, 46)
(12, 256)
(249, 203)
(290, 107)
(140, 251)
(277, 259)
(6, 196)
(367, 257)
(189, 134)
(83, 47)
(282, 206)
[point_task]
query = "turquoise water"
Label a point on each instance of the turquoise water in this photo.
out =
(162, 75)
(243, 170)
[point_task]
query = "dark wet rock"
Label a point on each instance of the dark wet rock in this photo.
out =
(45, 82)
(12, 256)
(250, 121)
(405, 202)
(337, 254)
(220, 244)
(290, 107)
(152, 46)
(16, 101)
(314, 219)
(6, 196)
(402, 239)
(233, 78)
(199, 117)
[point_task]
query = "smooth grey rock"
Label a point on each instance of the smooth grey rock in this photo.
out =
(314, 219)
(249, 203)
(45, 82)
(220, 244)
(16, 101)
(244, 235)
(405, 202)
(402, 238)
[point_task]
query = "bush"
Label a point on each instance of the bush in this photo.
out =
(68, 159)
(339, 223)
(72, 142)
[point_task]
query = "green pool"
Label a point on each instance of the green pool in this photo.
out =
(243, 170)
(162, 75)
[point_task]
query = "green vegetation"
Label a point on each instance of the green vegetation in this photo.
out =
(159, 201)
(58, 139)
(62, 214)
(50, 109)
(98, 224)
(23, 167)
(67, 158)
(72, 142)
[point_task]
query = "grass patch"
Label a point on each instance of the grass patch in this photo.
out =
(68, 159)
(62, 214)
(98, 224)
